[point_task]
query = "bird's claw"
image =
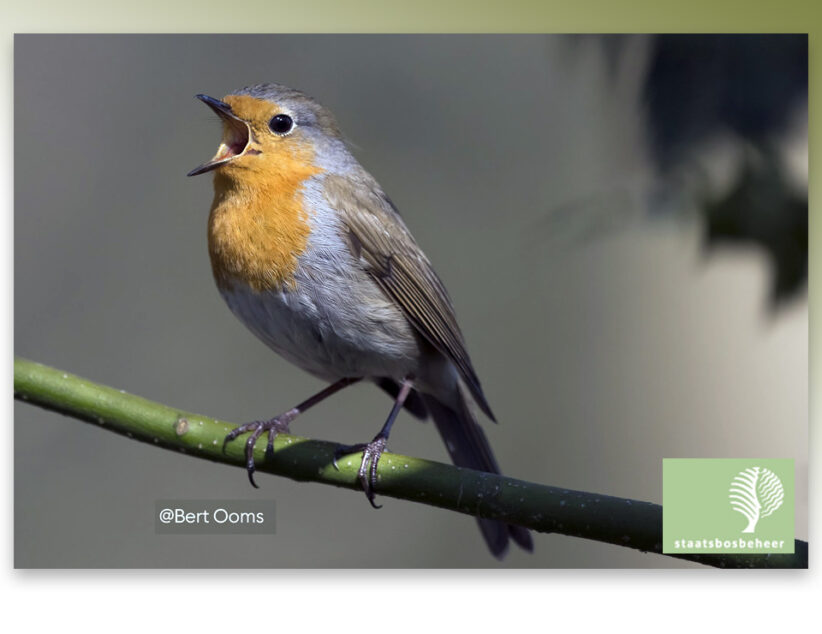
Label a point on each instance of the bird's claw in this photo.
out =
(277, 425)
(367, 473)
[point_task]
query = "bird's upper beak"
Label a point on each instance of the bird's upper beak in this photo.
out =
(236, 136)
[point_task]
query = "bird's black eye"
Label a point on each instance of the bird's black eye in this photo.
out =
(281, 124)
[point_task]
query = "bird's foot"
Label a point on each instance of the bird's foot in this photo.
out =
(277, 425)
(367, 474)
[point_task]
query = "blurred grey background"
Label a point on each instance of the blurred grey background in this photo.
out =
(605, 338)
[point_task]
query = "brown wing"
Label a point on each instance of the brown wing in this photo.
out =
(379, 236)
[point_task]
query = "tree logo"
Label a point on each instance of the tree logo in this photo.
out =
(756, 493)
(702, 499)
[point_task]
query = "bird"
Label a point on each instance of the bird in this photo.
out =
(313, 257)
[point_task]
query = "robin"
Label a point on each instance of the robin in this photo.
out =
(313, 257)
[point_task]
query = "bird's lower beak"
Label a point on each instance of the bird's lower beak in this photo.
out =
(236, 136)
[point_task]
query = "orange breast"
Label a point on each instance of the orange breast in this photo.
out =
(258, 225)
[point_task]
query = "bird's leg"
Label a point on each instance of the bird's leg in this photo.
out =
(278, 425)
(372, 451)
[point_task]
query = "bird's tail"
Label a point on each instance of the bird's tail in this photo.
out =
(468, 447)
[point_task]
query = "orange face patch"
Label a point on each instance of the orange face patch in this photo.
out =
(258, 225)
(252, 109)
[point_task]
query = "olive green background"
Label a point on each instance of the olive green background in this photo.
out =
(599, 356)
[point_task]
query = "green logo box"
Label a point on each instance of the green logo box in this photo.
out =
(727, 505)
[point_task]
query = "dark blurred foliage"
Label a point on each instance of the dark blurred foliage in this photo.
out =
(746, 88)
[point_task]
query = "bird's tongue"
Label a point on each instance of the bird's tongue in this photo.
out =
(235, 139)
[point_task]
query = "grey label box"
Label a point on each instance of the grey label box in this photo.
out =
(214, 517)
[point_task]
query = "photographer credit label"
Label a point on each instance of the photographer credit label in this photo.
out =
(214, 517)
(727, 505)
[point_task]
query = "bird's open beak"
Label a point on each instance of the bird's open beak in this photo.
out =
(236, 136)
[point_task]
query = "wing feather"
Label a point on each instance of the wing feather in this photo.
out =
(399, 267)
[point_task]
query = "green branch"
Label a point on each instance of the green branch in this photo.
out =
(628, 523)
